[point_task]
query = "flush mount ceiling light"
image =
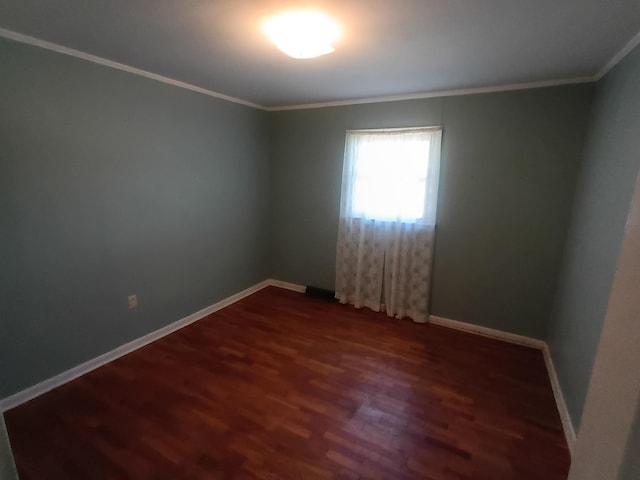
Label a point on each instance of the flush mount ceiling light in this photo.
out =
(302, 34)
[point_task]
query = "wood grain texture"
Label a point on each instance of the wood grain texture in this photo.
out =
(280, 386)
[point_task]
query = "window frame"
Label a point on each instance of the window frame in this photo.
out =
(350, 177)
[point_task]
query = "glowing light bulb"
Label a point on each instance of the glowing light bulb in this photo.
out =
(302, 34)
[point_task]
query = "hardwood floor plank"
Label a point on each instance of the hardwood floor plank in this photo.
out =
(281, 386)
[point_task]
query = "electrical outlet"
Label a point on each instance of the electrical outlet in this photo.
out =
(133, 301)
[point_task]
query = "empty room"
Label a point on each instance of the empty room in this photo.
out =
(364, 239)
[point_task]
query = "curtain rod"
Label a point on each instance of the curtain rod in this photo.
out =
(401, 129)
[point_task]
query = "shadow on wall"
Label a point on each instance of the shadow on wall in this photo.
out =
(7, 466)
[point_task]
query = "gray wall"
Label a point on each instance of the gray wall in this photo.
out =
(603, 195)
(113, 184)
(614, 388)
(7, 466)
(631, 462)
(509, 165)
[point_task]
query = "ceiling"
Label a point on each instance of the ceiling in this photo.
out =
(389, 47)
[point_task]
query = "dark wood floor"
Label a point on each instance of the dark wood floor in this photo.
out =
(280, 386)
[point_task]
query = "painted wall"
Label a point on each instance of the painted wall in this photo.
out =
(509, 164)
(603, 195)
(7, 466)
(606, 428)
(113, 184)
(630, 469)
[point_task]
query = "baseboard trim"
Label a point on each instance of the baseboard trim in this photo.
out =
(565, 418)
(567, 425)
(43, 387)
(287, 286)
(487, 332)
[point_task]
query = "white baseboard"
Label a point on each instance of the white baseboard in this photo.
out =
(64, 377)
(487, 332)
(567, 424)
(286, 285)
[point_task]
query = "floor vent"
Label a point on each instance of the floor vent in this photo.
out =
(320, 293)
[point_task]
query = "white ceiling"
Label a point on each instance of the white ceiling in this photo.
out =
(389, 47)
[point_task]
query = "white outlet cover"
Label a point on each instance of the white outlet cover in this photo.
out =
(133, 301)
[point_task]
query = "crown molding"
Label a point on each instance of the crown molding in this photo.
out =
(633, 43)
(19, 37)
(439, 93)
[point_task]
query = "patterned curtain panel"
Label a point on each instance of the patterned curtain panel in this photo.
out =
(360, 254)
(387, 220)
(407, 275)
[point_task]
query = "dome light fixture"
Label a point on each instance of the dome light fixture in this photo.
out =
(302, 33)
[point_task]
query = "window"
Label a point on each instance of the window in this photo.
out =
(392, 175)
(387, 220)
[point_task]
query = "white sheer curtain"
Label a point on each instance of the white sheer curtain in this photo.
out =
(387, 219)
